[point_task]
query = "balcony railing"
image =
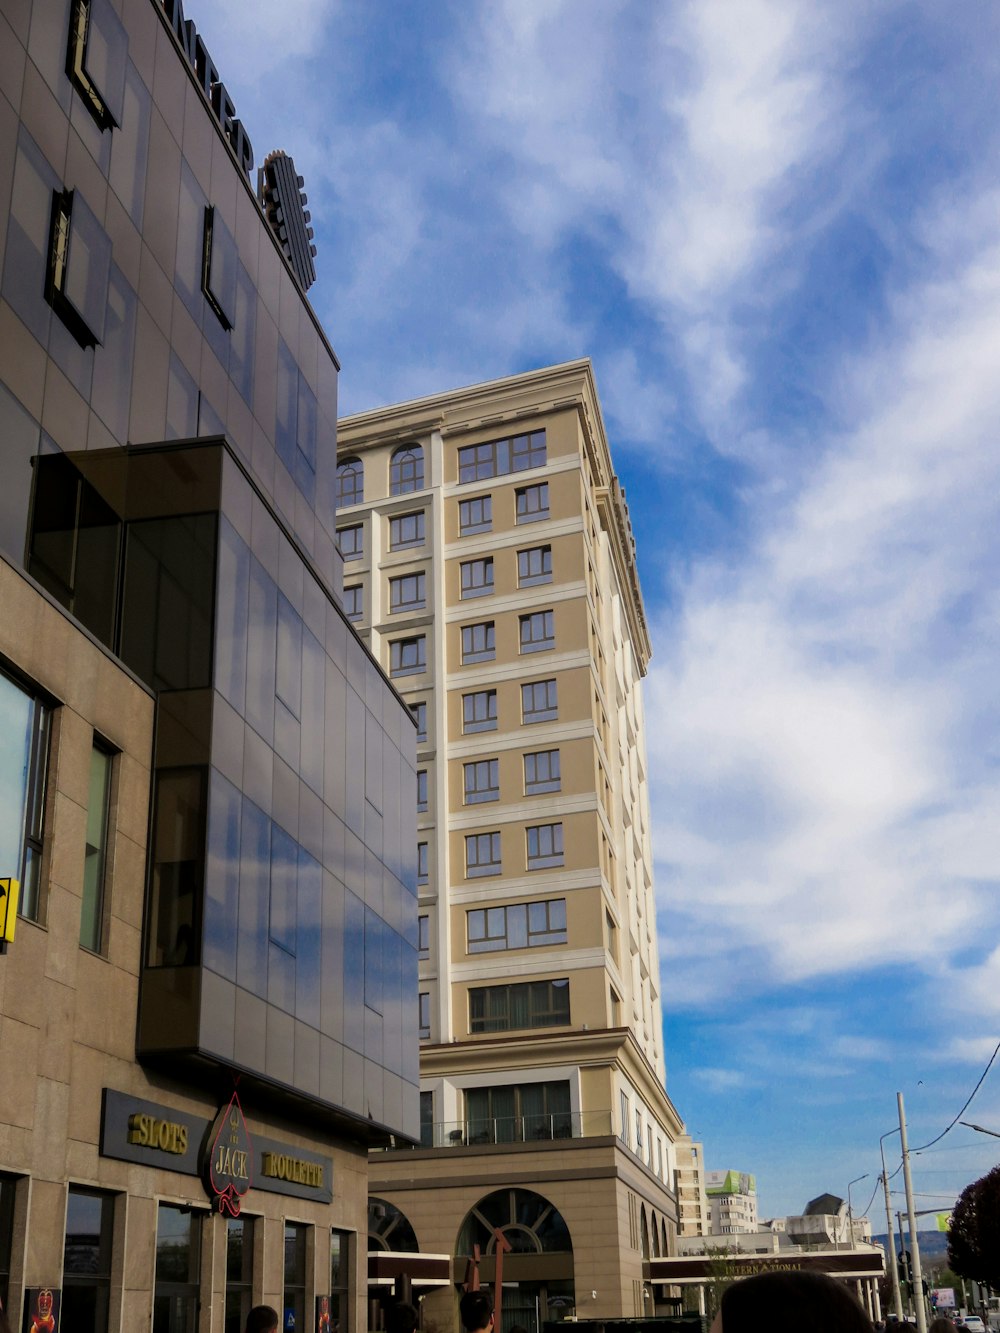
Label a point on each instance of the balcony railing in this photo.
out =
(477, 1130)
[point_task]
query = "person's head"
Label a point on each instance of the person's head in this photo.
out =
(4, 1324)
(401, 1318)
(476, 1311)
(262, 1319)
(941, 1325)
(789, 1302)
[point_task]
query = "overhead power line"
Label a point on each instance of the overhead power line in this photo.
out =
(989, 1063)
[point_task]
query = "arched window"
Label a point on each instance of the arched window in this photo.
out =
(645, 1233)
(406, 470)
(529, 1223)
(389, 1229)
(350, 482)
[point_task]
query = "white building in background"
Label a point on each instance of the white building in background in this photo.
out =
(732, 1202)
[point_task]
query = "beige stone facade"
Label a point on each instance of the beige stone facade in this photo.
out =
(490, 566)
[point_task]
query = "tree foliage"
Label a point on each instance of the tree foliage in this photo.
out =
(974, 1234)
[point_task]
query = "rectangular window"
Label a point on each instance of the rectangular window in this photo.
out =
(638, 1132)
(421, 790)
(354, 601)
(95, 856)
(537, 631)
(518, 926)
(545, 846)
(532, 503)
(424, 1015)
(422, 863)
(482, 855)
(530, 1004)
(479, 711)
(423, 936)
(79, 268)
(539, 701)
(427, 1120)
(518, 1113)
(97, 59)
(352, 541)
(477, 577)
(419, 713)
(541, 772)
(407, 592)
(87, 1260)
(496, 458)
(178, 1264)
(340, 1281)
(408, 657)
(25, 726)
(534, 565)
(624, 1119)
(294, 1302)
(475, 515)
(479, 642)
(406, 530)
(239, 1272)
(481, 781)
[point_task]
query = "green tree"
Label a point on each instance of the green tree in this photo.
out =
(974, 1234)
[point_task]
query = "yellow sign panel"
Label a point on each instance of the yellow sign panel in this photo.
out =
(10, 890)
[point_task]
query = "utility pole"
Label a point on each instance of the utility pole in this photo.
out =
(918, 1277)
(897, 1298)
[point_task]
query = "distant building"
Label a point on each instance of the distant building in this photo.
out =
(692, 1202)
(732, 1202)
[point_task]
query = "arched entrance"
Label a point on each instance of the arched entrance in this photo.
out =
(537, 1271)
(389, 1229)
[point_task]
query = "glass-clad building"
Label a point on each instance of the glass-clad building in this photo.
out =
(208, 789)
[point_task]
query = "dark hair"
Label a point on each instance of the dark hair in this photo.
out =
(4, 1323)
(474, 1310)
(789, 1302)
(262, 1319)
(401, 1318)
(942, 1324)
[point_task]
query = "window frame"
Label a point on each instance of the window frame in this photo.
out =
(400, 652)
(87, 1279)
(481, 505)
(536, 785)
(398, 584)
(488, 652)
(418, 711)
(36, 759)
(353, 468)
(526, 510)
(476, 578)
(396, 521)
(547, 840)
(532, 578)
(492, 939)
(540, 1015)
(501, 457)
(530, 642)
(423, 862)
(424, 1015)
(548, 714)
(480, 781)
(406, 469)
(483, 869)
(423, 796)
(354, 606)
(96, 941)
(477, 724)
(356, 530)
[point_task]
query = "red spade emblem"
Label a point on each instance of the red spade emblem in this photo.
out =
(230, 1162)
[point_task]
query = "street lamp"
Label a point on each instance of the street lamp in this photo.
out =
(979, 1129)
(850, 1211)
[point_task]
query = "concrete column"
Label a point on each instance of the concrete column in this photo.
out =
(701, 1300)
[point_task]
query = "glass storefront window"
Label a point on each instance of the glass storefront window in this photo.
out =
(239, 1272)
(340, 1281)
(178, 1264)
(8, 1185)
(87, 1260)
(295, 1278)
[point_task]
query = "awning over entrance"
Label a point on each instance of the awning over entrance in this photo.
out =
(423, 1270)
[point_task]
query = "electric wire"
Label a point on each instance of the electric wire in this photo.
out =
(925, 1146)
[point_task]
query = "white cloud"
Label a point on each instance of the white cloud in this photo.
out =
(826, 783)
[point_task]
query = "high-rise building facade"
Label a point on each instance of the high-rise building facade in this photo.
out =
(732, 1202)
(490, 566)
(207, 785)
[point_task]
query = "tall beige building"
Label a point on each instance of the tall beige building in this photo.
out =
(489, 563)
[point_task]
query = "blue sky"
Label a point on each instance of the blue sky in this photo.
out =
(775, 228)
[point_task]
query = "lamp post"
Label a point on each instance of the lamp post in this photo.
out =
(897, 1298)
(916, 1272)
(850, 1211)
(980, 1129)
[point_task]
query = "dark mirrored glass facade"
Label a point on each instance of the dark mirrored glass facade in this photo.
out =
(168, 408)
